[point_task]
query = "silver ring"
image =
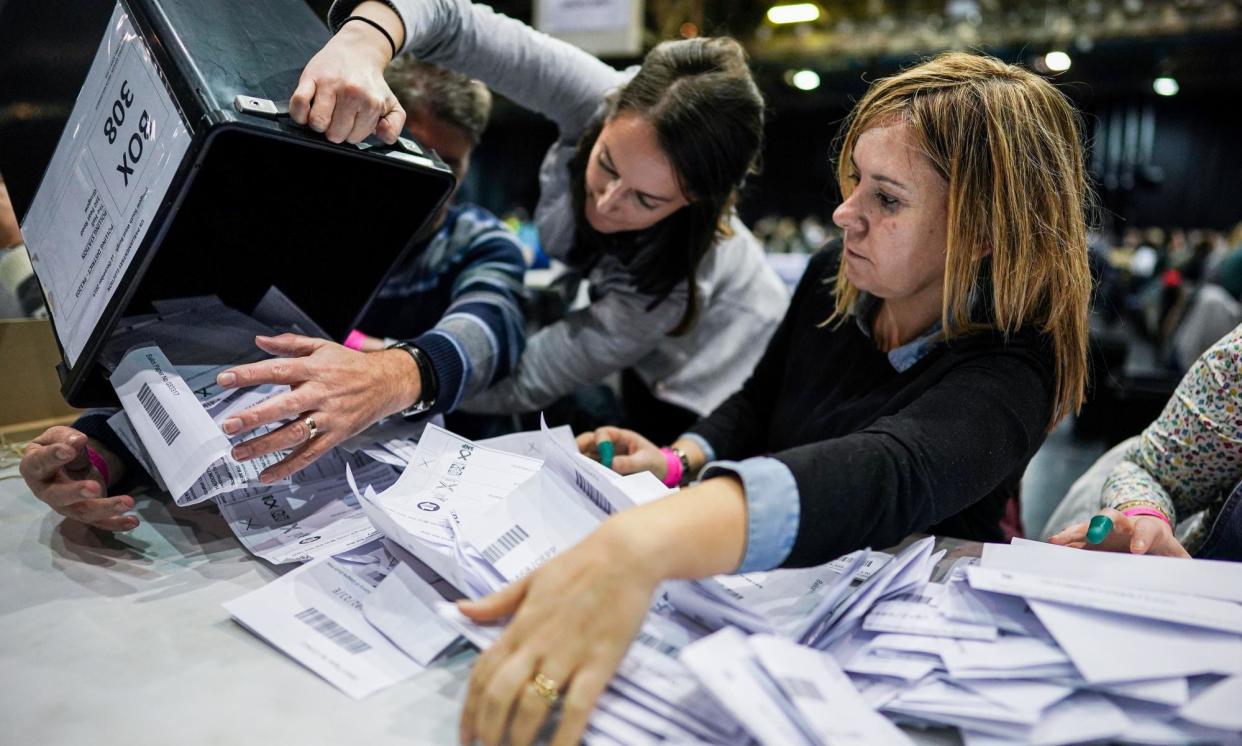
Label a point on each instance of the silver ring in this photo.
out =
(312, 427)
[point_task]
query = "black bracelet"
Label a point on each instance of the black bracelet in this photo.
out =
(377, 27)
(426, 374)
(427, 379)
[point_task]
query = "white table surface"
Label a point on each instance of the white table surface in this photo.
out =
(121, 639)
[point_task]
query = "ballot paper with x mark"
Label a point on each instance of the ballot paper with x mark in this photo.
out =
(180, 435)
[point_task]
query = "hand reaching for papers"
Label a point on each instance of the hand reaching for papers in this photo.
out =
(341, 390)
(573, 620)
(57, 470)
(342, 92)
(1137, 535)
(631, 452)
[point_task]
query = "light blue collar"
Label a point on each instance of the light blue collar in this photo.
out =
(904, 357)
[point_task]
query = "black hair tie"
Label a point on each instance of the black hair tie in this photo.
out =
(378, 28)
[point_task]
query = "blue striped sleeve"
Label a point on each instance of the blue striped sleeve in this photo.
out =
(481, 334)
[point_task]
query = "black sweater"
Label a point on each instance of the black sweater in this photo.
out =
(878, 454)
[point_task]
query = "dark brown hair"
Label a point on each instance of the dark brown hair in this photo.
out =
(450, 97)
(707, 112)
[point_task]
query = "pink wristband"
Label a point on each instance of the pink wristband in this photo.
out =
(672, 476)
(355, 340)
(1148, 511)
(98, 462)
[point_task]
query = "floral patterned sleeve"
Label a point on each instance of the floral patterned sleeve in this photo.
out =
(1187, 457)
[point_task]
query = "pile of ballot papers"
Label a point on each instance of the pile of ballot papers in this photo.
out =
(1029, 643)
(1026, 643)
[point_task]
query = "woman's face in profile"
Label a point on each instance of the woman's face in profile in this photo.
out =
(895, 220)
(630, 183)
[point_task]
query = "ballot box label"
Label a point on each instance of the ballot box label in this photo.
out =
(112, 167)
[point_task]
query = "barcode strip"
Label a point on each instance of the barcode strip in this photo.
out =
(322, 624)
(504, 544)
(163, 422)
(796, 687)
(656, 643)
(593, 494)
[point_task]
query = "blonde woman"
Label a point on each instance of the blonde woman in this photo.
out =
(914, 376)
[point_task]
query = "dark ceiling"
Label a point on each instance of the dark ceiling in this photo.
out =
(1118, 47)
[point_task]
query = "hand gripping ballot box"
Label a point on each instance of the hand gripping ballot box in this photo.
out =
(180, 174)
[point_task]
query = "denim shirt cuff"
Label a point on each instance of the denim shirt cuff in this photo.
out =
(773, 509)
(709, 453)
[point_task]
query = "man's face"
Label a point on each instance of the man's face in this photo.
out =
(450, 143)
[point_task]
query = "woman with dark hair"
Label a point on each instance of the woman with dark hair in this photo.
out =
(637, 194)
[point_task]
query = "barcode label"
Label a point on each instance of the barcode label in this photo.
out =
(801, 688)
(333, 631)
(163, 422)
(657, 644)
(505, 544)
(593, 494)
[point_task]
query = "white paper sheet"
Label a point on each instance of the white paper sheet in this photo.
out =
(725, 665)
(1220, 706)
(312, 516)
(1111, 648)
(179, 435)
(536, 444)
(539, 519)
(778, 601)
(833, 709)
(314, 615)
(1169, 607)
(1206, 578)
(402, 608)
(919, 617)
(911, 568)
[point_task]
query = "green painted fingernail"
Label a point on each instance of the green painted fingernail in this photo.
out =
(605, 453)
(1099, 528)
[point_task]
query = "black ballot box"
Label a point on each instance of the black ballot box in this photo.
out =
(180, 174)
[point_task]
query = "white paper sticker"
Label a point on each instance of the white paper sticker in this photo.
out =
(112, 167)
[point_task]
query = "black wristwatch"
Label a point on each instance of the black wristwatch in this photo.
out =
(426, 375)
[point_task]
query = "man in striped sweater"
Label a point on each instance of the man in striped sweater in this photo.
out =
(455, 302)
(458, 298)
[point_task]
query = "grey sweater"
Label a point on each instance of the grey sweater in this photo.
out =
(742, 299)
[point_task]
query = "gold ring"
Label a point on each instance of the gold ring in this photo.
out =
(312, 427)
(546, 688)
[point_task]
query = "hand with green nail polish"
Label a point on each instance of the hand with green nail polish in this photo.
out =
(1099, 529)
(623, 451)
(606, 453)
(1110, 531)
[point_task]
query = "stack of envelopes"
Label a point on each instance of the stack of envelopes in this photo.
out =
(1032, 643)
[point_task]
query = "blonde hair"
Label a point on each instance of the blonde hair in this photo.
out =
(1008, 143)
